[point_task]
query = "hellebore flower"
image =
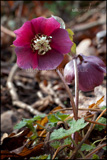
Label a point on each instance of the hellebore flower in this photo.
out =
(41, 43)
(90, 72)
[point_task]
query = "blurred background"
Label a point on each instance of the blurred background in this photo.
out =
(87, 19)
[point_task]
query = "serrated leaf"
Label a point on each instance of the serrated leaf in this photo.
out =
(104, 107)
(61, 116)
(100, 127)
(54, 118)
(74, 126)
(28, 122)
(67, 141)
(20, 124)
(105, 148)
(55, 144)
(39, 117)
(86, 147)
(95, 156)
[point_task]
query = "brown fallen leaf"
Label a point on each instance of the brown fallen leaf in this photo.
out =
(9, 143)
(95, 105)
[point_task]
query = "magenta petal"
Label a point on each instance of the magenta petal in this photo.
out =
(90, 76)
(45, 25)
(95, 60)
(50, 60)
(26, 58)
(24, 34)
(61, 41)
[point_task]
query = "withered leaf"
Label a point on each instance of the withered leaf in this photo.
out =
(15, 141)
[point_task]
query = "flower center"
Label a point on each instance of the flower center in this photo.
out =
(41, 43)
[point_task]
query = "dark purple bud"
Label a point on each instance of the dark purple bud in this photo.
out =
(90, 72)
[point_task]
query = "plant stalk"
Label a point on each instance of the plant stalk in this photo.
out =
(69, 93)
(76, 134)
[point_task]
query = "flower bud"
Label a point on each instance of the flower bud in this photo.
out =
(91, 71)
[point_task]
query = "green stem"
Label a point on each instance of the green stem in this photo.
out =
(76, 146)
(41, 126)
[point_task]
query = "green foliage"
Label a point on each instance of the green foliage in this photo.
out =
(67, 141)
(55, 144)
(73, 48)
(45, 156)
(95, 156)
(56, 117)
(28, 122)
(87, 147)
(71, 34)
(100, 127)
(74, 126)
(104, 107)
(105, 148)
(49, 156)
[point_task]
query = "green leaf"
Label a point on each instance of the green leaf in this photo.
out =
(100, 127)
(73, 48)
(54, 118)
(104, 107)
(28, 122)
(55, 144)
(20, 124)
(74, 126)
(95, 156)
(87, 147)
(61, 116)
(39, 117)
(105, 148)
(67, 141)
(49, 156)
(71, 33)
(45, 156)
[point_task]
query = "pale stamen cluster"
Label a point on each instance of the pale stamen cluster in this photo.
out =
(41, 43)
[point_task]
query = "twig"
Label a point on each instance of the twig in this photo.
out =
(7, 31)
(10, 84)
(26, 107)
(91, 12)
(49, 90)
(84, 139)
(94, 122)
(95, 150)
(58, 149)
(69, 93)
(85, 109)
(43, 103)
(84, 27)
(15, 98)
